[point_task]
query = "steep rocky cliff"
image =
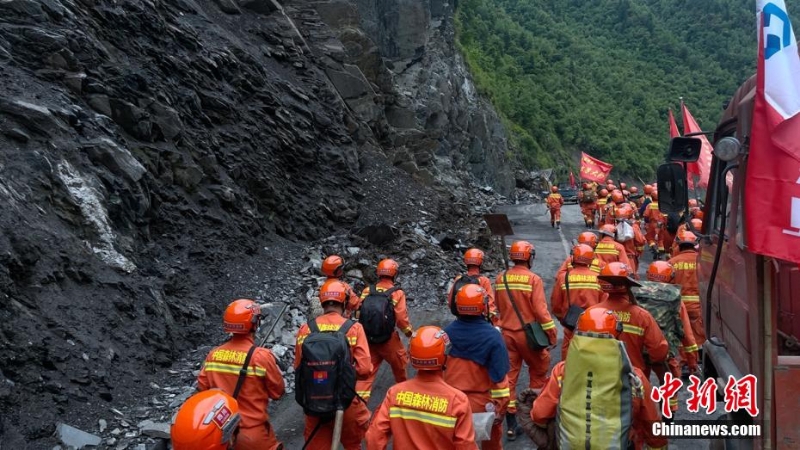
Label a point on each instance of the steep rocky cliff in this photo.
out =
(153, 151)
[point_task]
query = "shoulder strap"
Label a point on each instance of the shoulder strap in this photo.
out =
(243, 372)
(312, 325)
(566, 280)
(391, 290)
(346, 326)
(511, 299)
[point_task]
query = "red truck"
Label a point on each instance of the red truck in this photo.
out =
(751, 303)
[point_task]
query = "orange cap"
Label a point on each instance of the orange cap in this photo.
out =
(521, 251)
(582, 254)
(206, 421)
(471, 300)
(598, 320)
(333, 266)
(473, 257)
(588, 238)
(241, 317)
(387, 268)
(428, 348)
(661, 271)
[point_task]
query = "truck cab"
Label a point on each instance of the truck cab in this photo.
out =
(751, 303)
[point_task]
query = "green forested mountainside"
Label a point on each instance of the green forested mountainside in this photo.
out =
(599, 75)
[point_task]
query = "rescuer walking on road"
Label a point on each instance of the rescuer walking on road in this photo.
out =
(636, 239)
(575, 288)
(478, 362)
(424, 413)
(588, 200)
(685, 264)
(263, 380)
(608, 250)
(473, 258)
(380, 312)
(554, 202)
(333, 268)
(526, 289)
(588, 238)
(333, 297)
(656, 221)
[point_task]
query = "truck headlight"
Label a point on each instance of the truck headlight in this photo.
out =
(728, 148)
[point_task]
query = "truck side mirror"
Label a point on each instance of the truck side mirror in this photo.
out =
(684, 149)
(673, 193)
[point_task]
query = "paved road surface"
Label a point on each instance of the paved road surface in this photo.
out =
(529, 222)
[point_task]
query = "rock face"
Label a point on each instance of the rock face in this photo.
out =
(150, 149)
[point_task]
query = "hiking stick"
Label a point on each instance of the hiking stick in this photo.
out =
(263, 340)
(337, 429)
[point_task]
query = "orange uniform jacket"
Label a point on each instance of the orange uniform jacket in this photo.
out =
(264, 380)
(359, 349)
(608, 250)
(640, 331)
(596, 266)
(423, 413)
(473, 380)
(528, 291)
(685, 264)
(398, 301)
(601, 207)
(644, 411)
(583, 291)
(657, 221)
(554, 201)
(486, 284)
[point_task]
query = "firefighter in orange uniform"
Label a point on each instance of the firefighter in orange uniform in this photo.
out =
(588, 238)
(697, 225)
(656, 224)
(333, 268)
(609, 250)
(527, 290)
(617, 199)
(640, 331)
(602, 201)
(262, 382)
(582, 291)
(685, 264)
(392, 351)
(588, 200)
(333, 296)
(192, 430)
(473, 258)
(425, 412)
(625, 214)
(554, 202)
(663, 272)
(478, 362)
(599, 320)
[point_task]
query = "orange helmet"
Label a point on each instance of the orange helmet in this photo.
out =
(616, 196)
(582, 254)
(473, 257)
(626, 193)
(686, 237)
(603, 193)
(241, 317)
(623, 186)
(553, 188)
(698, 214)
(609, 230)
(612, 187)
(598, 320)
(660, 271)
(333, 266)
(521, 251)
(648, 189)
(634, 190)
(387, 268)
(471, 300)
(207, 420)
(615, 277)
(588, 238)
(624, 211)
(654, 195)
(692, 203)
(697, 224)
(333, 291)
(609, 181)
(428, 348)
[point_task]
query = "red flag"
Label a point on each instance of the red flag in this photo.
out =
(593, 169)
(673, 127)
(772, 203)
(702, 167)
(572, 180)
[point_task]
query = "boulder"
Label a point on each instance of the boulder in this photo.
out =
(260, 6)
(228, 6)
(75, 438)
(348, 85)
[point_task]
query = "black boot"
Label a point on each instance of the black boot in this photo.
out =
(558, 224)
(511, 426)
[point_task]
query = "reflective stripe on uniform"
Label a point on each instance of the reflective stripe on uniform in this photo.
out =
(632, 329)
(690, 298)
(691, 348)
(593, 286)
(548, 325)
(512, 403)
(364, 394)
(233, 369)
(500, 393)
(607, 251)
(440, 420)
(350, 340)
(515, 287)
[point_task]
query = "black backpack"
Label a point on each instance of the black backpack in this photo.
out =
(325, 380)
(462, 281)
(673, 222)
(376, 315)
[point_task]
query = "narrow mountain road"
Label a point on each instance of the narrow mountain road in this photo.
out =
(529, 222)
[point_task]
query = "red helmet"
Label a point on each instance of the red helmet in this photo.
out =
(582, 254)
(616, 277)
(634, 190)
(521, 251)
(597, 319)
(660, 271)
(473, 257)
(333, 291)
(603, 193)
(333, 266)
(625, 211)
(609, 230)
(471, 300)
(207, 420)
(623, 186)
(428, 348)
(648, 189)
(553, 188)
(588, 238)
(616, 196)
(387, 268)
(241, 317)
